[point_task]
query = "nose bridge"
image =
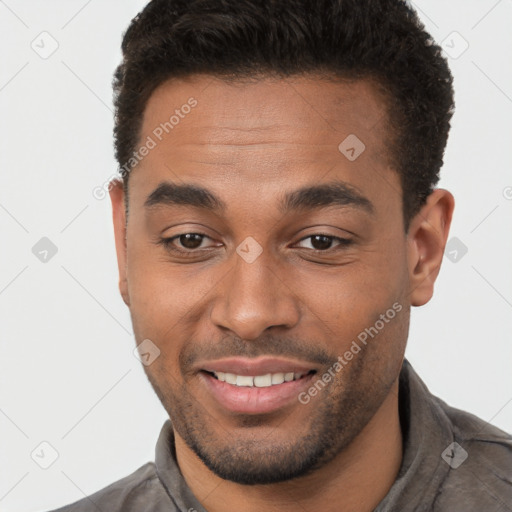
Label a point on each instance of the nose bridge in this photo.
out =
(252, 298)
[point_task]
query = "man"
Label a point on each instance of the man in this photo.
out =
(276, 220)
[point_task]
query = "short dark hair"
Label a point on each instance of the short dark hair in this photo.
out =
(380, 40)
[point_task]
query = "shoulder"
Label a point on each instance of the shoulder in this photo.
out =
(480, 463)
(129, 494)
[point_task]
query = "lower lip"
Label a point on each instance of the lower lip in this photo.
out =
(253, 400)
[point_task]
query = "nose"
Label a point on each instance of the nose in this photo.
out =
(254, 297)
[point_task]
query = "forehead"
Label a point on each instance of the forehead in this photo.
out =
(263, 134)
(304, 103)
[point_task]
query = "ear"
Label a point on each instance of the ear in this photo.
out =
(119, 217)
(426, 240)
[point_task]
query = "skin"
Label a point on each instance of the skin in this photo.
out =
(249, 143)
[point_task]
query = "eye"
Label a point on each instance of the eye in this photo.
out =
(322, 243)
(185, 242)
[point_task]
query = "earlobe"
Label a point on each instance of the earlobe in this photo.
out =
(119, 218)
(426, 237)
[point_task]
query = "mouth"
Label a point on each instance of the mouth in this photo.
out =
(259, 381)
(263, 386)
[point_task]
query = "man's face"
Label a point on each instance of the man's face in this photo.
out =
(267, 278)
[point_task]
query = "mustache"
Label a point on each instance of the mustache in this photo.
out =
(232, 346)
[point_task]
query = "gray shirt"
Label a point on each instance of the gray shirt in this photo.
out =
(452, 462)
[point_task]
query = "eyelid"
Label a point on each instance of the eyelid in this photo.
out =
(343, 242)
(168, 241)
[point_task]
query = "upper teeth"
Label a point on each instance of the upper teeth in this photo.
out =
(259, 381)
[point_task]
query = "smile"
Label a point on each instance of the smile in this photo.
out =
(258, 381)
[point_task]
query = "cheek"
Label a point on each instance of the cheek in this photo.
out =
(341, 302)
(167, 301)
(154, 284)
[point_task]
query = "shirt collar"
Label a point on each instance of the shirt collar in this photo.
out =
(170, 475)
(426, 432)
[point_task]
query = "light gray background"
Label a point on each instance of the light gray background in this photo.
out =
(67, 372)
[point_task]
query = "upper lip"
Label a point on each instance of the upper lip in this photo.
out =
(253, 367)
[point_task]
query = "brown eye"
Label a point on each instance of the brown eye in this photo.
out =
(321, 242)
(191, 240)
(184, 244)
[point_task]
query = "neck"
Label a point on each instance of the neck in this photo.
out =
(357, 479)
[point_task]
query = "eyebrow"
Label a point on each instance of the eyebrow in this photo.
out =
(336, 193)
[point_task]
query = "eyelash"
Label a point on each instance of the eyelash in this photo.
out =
(167, 243)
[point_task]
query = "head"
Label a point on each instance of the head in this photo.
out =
(277, 211)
